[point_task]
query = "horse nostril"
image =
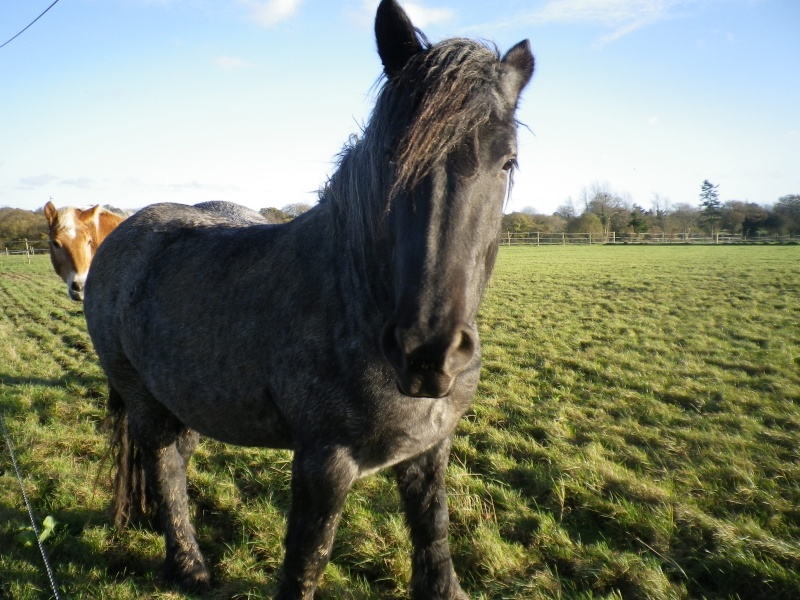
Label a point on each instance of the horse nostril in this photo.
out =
(408, 349)
(461, 351)
(77, 286)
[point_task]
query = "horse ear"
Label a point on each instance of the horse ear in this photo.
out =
(50, 212)
(90, 213)
(396, 37)
(519, 63)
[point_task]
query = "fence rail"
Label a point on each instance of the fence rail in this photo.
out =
(562, 239)
(33, 247)
(26, 247)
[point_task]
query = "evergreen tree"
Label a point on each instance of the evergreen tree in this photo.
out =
(638, 221)
(710, 206)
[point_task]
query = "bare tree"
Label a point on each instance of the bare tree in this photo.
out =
(660, 206)
(566, 210)
(296, 209)
(603, 202)
(683, 218)
(274, 215)
(787, 210)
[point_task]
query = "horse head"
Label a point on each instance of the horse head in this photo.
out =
(74, 236)
(451, 154)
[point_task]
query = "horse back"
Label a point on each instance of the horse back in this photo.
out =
(208, 313)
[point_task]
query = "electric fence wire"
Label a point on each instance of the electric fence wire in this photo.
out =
(28, 506)
(29, 24)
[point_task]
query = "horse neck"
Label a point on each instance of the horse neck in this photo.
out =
(361, 255)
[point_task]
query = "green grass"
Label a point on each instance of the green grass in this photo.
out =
(636, 435)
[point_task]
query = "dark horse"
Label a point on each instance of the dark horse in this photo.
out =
(347, 335)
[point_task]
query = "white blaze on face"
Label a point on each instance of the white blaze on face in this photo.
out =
(75, 255)
(68, 225)
(82, 257)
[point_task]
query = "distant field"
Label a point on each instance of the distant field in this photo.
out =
(636, 435)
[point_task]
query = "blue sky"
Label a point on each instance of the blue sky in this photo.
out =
(131, 102)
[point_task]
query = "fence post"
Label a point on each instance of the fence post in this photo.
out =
(537, 239)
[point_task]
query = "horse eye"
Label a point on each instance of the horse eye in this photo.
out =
(56, 244)
(511, 163)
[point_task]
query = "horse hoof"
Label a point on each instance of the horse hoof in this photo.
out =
(449, 593)
(195, 579)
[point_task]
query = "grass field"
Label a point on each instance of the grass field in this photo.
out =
(636, 435)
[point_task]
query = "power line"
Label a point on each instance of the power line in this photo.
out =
(31, 23)
(38, 535)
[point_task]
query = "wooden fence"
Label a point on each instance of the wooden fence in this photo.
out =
(32, 247)
(26, 247)
(535, 238)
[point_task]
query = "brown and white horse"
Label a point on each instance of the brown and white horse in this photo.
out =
(75, 235)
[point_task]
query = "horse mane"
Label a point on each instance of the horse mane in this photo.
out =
(443, 94)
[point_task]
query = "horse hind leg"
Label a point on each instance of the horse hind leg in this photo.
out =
(152, 455)
(184, 562)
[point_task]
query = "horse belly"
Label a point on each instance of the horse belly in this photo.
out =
(243, 418)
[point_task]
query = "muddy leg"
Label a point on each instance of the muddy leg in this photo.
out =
(166, 446)
(320, 484)
(421, 484)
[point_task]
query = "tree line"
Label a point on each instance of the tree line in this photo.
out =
(600, 210)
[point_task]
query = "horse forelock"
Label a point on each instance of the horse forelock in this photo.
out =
(456, 83)
(444, 93)
(66, 223)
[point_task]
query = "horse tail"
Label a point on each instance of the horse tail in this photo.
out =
(132, 493)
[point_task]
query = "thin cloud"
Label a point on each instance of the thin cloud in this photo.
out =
(230, 63)
(196, 186)
(83, 183)
(35, 181)
(271, 12)
(621, 16)
(606, 12)
(423, 16)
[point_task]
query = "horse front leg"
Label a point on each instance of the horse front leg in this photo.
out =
(421, 484)
(321, 481)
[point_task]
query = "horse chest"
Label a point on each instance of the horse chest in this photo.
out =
(412, 428)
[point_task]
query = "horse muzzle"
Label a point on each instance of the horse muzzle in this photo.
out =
(75, 289)
(427, 366)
